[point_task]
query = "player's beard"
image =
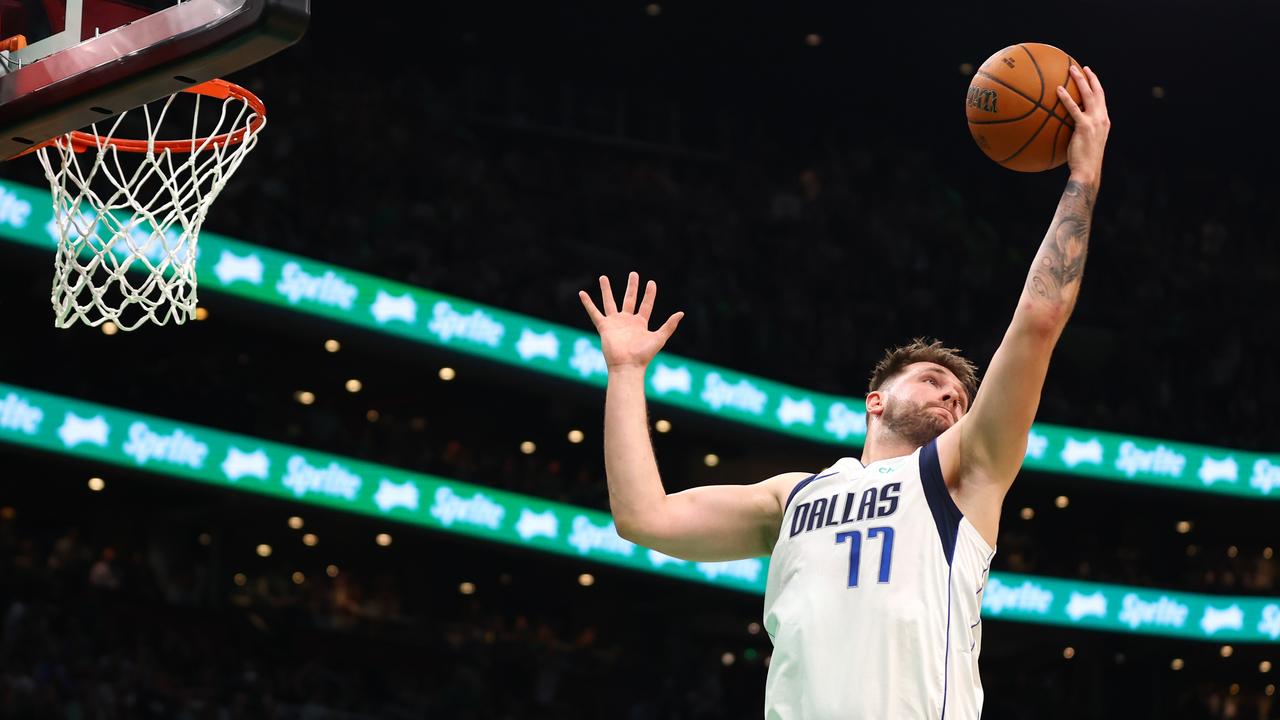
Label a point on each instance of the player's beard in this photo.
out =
(914, 422)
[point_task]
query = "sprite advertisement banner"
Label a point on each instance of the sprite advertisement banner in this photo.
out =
(239, 462)
(372, 303)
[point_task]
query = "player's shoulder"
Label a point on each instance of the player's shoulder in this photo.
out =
(783, 486)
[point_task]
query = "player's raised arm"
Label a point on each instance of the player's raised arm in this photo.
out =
(988, 448)
(721, 522)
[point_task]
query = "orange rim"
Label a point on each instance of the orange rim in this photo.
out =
(217, 89)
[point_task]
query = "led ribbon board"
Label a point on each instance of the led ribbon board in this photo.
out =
(354, 298)
(238, 462)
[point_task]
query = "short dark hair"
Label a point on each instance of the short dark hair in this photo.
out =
(897, 359)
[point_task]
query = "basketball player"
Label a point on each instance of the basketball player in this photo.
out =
(878, 562)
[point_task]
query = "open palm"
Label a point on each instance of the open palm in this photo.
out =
(625, 337)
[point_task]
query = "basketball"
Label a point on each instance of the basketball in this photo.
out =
(1014, 111)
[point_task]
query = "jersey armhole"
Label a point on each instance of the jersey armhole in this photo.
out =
(946, 516)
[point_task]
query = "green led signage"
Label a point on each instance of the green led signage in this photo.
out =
(373, 303)
(242, 463)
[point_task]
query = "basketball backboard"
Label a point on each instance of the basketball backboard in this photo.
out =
(86, 60)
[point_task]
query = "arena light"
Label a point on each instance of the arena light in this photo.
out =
(1267, 552)
(1235, 688)
(109, 328)
(1177, 664)
(653, 9)
(310, 540)
(1233, 551)
(332, 345)
(586, 579)
(1068, 652)
(298, 577)
(447, 374)
(662, 426)
(304, 397)
(1264, 666)
(240, 579)
(295, 522)
(528, 447)
(753, 628)
(1226, 651)
(1027, 513)
(467, 588)
(711, 460)
(372, 415)
(727, 659)
(202, 314)
(331, 570)
(97, 484)
(576, 436)
(1061, 502)
(1183, 527)
(353, 385)
(264, 550)
(383, 539)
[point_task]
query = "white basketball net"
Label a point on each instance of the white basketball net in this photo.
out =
(118, 211)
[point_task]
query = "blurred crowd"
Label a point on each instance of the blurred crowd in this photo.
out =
(131, 623)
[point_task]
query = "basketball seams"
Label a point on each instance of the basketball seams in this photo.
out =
(1039, 74)
(1030, 140)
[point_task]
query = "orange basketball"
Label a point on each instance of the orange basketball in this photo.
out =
(1014, 111)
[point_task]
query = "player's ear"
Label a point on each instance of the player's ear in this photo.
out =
(875, 402)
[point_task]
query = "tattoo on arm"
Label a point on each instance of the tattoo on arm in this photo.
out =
(1056, 272)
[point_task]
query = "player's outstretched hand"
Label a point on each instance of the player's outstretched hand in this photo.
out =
(1084, 153)
(625, 337)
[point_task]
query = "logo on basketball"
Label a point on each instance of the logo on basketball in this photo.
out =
(983, 99)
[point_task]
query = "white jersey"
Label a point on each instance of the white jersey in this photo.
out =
(873, 597)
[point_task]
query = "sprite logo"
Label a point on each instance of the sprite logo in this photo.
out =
(741, 396)
(329, 289)
(447, 324)
(479, 510)
(1164, 612)
(333, 480)
(1160, 461)
(19, 415)
(1026, 598)
(176, 448)
(14, 211)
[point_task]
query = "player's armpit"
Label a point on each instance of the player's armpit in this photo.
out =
(717, 522)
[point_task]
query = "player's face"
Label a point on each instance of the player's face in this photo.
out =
(923, 402)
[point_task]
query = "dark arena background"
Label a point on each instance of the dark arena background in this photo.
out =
(368, 481)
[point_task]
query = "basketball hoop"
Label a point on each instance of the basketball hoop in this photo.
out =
(142, 211)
